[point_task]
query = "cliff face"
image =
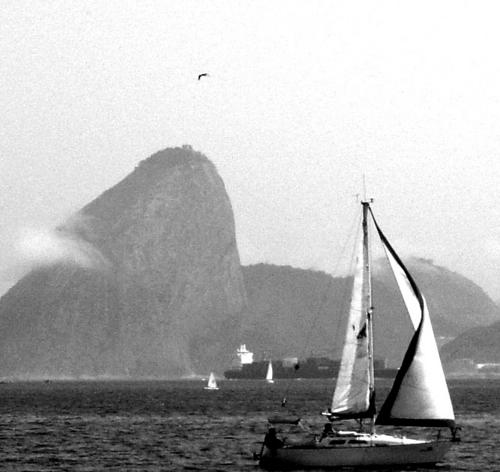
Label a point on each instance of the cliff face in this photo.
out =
(161, 279)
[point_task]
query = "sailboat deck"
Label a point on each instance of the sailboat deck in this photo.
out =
(355, 439)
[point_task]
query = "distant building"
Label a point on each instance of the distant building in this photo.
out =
(290, 361)
(244, 355)
(489, 367)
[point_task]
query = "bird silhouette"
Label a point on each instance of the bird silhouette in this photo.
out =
(205, 74)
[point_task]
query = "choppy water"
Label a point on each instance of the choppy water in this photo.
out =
(151, 426)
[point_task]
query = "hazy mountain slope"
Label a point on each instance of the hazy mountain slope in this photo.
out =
(478, 344)
(293, 312)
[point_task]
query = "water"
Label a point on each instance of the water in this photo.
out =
(152, 426)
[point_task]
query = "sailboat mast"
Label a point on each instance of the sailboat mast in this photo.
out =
(369, 309)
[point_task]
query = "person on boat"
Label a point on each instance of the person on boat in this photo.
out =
(272, 441)
(328, 431)
(455, 434)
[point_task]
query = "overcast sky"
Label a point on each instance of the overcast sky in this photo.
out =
(303, 98)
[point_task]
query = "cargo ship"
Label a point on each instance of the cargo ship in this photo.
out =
(292, 367)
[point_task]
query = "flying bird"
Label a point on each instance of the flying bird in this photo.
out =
(205, 74)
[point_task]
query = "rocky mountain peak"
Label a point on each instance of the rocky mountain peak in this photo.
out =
(166, 277)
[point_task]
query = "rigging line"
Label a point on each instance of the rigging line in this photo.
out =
(355, 223)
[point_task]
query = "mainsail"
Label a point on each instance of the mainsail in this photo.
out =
(353, 396)
(419, 395)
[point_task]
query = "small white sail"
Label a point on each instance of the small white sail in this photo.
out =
(212, 383)
(352, 390)
(269, 374)
(420, 394)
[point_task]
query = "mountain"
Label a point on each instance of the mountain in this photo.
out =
(298, 312)
(151, 281)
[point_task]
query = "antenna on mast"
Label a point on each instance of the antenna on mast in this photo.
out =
(364, 191)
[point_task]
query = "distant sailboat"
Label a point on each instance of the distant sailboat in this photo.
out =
(269, 375)
(212, 383)
(419, 395)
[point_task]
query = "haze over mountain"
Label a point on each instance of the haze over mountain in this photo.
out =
(145, 281)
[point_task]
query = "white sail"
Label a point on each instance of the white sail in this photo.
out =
(420, 394)
(212, 383)
(352, 390)
(269, 374)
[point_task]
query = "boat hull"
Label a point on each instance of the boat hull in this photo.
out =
(312, 456)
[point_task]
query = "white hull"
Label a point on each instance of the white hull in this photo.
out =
(370, 455)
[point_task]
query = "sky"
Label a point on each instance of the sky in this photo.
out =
(303, 99)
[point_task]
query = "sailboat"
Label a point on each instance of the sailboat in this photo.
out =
(419, 395)
(212, 383)
(269, 374)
